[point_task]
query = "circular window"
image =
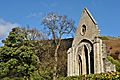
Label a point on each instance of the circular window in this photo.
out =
(83, 30)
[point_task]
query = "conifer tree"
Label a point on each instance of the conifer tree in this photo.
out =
(17, 59)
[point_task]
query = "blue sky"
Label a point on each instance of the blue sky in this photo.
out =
(30, 12)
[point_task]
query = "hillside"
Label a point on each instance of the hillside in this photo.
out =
(112, 45)
(46, 52)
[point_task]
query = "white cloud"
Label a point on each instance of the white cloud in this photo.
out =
(5, 28)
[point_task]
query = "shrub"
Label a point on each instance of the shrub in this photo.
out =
(116, 62)
(104, 38)
(101, 76)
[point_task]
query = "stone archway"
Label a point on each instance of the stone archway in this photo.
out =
(86, 58)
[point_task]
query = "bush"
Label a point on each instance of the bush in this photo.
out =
(101, 76)
(105, 38)
(116, 62)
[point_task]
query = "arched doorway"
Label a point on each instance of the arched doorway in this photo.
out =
(86, 58)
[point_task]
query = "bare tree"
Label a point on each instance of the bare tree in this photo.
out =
(34, 34)
(57, 26)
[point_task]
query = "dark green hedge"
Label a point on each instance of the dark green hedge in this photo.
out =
(102, 76)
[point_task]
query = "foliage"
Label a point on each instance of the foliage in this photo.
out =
(105, 38)
(57, 26)
(45, 51)
(17, 59)
(34, 34)
(116, 62)
(101, 76)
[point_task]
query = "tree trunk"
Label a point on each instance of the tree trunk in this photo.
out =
(56, 60)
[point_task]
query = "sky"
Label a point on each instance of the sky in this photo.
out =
(30, 12)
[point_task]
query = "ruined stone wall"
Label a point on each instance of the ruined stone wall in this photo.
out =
(86, 55)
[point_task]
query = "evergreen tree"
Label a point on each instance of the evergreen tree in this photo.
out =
(17, 59)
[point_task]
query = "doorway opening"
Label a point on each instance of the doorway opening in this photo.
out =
(91, 62)
(86, 58)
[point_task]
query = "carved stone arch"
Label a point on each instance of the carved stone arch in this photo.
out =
(89, 47)
(79, 58)
(79, 49)
(85, 53)
(88, 43)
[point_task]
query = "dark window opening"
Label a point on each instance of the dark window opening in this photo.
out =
(92, 62)
(86, 56)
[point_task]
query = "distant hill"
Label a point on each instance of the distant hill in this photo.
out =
(46, 52)
(112, 44)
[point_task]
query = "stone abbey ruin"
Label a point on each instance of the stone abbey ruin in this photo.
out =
(88, 52)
